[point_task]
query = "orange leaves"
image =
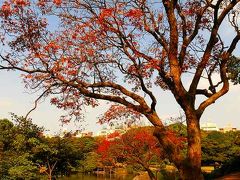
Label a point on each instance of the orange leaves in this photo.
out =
(90, 52)
(153, 64)
(6, 9)
(113, 135)
(21, 2)
(134, 146)
(52, 46)
(57, 2)
(140, 137)
(29, 76)
(105, 13)
(134, 13)
(104, 19)
(72, 72)
(104, 149)
(116, 112)
(42, 169)
(177, 140)
(41, 3)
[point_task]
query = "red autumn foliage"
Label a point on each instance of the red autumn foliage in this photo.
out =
(6, 9)
(113, 135)
(180, 141)
(134, 13)
(135, 146)
(122, 52)
(57, 2)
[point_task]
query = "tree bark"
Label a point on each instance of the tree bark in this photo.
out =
(190, 168)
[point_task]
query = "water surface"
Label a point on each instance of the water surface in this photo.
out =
(99, 177)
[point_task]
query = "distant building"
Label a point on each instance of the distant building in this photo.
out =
(209, 126)
(227, 128)
(114, 128)
(104, 132)
(80, 134)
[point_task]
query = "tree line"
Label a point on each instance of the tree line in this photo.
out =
(26, 154)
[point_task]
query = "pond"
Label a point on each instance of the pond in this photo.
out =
(99, 177)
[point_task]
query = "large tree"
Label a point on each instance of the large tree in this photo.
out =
(119, 51)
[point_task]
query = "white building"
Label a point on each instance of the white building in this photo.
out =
(227, 128)
(209, 126)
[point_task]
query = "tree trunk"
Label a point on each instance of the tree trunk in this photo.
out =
(190, 169)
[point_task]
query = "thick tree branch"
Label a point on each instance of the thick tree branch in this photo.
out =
(203, 92)
(209, 47)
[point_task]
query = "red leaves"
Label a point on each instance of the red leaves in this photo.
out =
(177, 140)
(104, 14)
(134, 13)
(57, 2)
(52, 46)
(6, 9)
(105, 148)
(116, 112)
(54, 100)
(135, 146)
(140, 138)
(113, 135)
(21, 2)
(153, 64)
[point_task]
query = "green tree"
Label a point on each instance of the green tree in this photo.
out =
(17, 139)
(90, 162)
(58, 156)
(22, 167)
(220, 147)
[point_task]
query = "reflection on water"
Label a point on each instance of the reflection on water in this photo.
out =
(93, 177)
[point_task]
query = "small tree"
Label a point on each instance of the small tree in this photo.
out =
(57, 156)
(119, 51)
(137, 146)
